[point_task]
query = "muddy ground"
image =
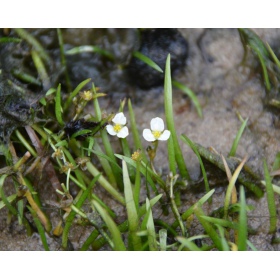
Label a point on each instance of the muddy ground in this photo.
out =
(224, 89)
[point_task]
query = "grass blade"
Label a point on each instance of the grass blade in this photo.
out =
(242, 225)
(170, 120)
(193, 147)
(188, 243)
(133, 219)
(147, 60)
(190, 94)
(208, 227)
(162, 239)
(237, 138)
(74, 93)
(40, 228)
(115, 232)
(58, 108)
(72, 214)
(151, 228)
(270, 199)
(231, 187)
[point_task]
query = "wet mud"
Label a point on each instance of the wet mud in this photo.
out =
(225, 89)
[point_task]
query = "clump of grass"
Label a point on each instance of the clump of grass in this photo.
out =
(88, 160)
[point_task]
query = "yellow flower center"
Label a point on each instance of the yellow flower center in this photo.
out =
(86, 95)
(117, 128)
(156, 133)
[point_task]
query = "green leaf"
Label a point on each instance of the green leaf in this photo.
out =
(188, 244)
(231, 186)
(70, 218)
(90, 49)
(270, 200)
(237, 138)
(147, 60)
(115, 232)
(151, 227)
(133, 219)
(40, 228)
(58, 108)
(74, 93)
(193, 147)
(190, 94)
(242, 224)
(171, 125)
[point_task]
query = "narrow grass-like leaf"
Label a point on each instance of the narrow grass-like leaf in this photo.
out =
(34, 43)
(132, 215)
(162, 239)
(193, 147)
(208, 227)
(147, 60)
(171, 155)
(265, 73)
(237, 138)
(74, 93)
(107, 145)
(242, 224)
(222, 238)
(10, 199)
(276, 164)
(20, 208)
(188, 244)
(10, 207)
(25, 77)
(270, 200)
(58, 108)
(126, 152)
(271, 52)
(170, 120)
(229, 176)
(104, 160)
(231, 187)
(122, 227)
(220, 222)
(41, 69)
(189, 212)
(105, 184)
(10, 40)
(63, 60)
(39, 213)
(145, 170)
(40, 228)
(72, 214)
(115, 232)
(90, 49)
(25, 143)
(250, 244)
(190, 94)
(151, 227)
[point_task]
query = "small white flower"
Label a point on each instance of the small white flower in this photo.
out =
(156, 132)
(118, 128)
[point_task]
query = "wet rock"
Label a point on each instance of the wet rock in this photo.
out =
(157, 44)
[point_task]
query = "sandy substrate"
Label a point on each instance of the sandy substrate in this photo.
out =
(224, 90)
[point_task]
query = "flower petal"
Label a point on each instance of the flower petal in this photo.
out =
(165, 135)
(119, 118)
(157, 124)
(148, 135)
(123, 132)
(110, 130)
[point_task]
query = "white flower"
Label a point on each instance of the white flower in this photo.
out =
(156, 132)
(118, 128)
